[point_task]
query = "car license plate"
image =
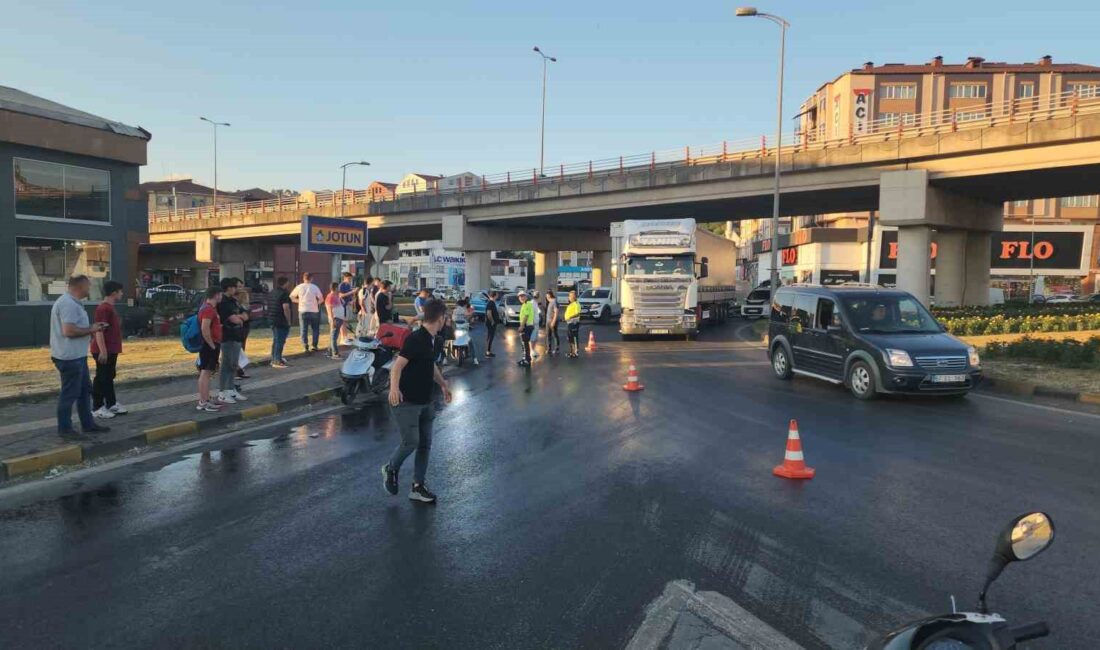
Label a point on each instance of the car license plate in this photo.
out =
(658, 331)
(948, 379)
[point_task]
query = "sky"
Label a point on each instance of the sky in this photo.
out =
(444, 87)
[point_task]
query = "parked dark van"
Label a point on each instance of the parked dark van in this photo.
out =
(870, 339)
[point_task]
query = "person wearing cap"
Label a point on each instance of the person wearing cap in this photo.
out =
(573, 324)
(526, 326)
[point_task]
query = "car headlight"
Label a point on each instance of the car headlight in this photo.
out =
(898, 358)
(975, 360)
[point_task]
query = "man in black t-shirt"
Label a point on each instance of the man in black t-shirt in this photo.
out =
(233, 318)
(411, 383)
(382, 305)
(278, 310)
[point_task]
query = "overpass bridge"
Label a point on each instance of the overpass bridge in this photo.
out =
(938, 173)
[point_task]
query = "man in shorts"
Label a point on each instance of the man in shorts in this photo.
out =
(210, 325)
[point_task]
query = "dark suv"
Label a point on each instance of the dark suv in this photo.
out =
(870, 339)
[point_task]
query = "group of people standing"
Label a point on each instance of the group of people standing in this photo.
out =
(532, 319)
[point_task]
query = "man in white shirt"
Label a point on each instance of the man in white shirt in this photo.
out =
(70, 335)
(308, 297)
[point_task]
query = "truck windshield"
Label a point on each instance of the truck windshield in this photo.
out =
(596, 293)
(890, 315)
(660, 265)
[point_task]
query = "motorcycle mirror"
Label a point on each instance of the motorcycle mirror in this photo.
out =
(1022, 539)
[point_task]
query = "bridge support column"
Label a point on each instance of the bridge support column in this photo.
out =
(977, 267)
(478, 271)
(951, 261)
(601, 268)
(546, 271)
(914, 262)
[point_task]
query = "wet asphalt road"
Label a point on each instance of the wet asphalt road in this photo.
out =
(565, 506)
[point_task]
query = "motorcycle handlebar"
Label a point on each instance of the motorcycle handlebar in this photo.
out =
(1031, 631)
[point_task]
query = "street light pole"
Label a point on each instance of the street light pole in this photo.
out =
(783, 25)
(215, 125)
(542, 124)
(344, 182)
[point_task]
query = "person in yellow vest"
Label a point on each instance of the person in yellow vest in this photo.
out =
(573, 324)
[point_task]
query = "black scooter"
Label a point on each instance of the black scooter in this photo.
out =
(1024, 538)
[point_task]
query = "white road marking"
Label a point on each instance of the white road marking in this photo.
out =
(1041, 407)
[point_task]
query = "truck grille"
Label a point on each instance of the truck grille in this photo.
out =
(658, 302)
(941, 363)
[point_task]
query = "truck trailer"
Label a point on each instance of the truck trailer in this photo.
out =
(671, 277)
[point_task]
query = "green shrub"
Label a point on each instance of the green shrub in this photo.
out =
(1025, 323)
(1065, 354)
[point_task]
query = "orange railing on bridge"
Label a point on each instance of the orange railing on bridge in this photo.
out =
(1021, 110)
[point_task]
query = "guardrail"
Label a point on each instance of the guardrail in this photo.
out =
(1020, 110)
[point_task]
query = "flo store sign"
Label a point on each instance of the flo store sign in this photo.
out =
(1049, 250)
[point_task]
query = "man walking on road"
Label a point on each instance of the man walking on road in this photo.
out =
(553, 342)
(309, 299)
(70, 332)
(279, 312)
(492, 319)
(106, 346)
(573, 324)
(411, 381)
(233, 318)
(526, 326)
(210, 325)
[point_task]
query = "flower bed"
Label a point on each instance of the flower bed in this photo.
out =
(1064, 354)
(1018, 309)
(1012, 324)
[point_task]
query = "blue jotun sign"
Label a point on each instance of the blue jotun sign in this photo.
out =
(327, 235)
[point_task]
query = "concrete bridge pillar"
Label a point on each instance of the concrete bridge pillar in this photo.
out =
(950, 267)
(601, 268)
(478, 271)
(977, 267)
(546, 271)
(914, 261)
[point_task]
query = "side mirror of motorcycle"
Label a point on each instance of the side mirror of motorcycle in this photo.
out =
(1025, 537)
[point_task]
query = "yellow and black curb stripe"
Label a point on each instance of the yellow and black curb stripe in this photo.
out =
(73, 454)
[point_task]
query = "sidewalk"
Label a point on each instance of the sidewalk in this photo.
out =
(33, 425)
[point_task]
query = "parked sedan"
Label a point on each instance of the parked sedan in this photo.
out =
(510, 313)
(164, 288)
(1062, 298)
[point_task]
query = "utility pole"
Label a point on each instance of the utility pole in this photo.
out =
(215, 125)
(542, 125)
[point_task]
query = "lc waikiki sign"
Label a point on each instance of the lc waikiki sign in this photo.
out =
(327, 235)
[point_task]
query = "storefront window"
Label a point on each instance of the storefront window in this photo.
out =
(44, 266)
(52, 191)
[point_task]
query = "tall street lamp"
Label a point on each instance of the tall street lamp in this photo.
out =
(751, 12)
(344, 182)
(542, 126)
(215, 125)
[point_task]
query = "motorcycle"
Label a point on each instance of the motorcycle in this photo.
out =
(366, 369)
(458, 348)
(1024, 538)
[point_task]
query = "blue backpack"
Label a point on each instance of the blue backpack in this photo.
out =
(191, 334)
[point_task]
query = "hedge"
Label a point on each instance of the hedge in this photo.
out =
(1066, 354)
(1018, 309)
(1001, 324)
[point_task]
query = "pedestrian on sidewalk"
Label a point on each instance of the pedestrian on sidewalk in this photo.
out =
(244, 299)
(526, 326)
(492, 319)
(70, 334)
(422, 297)
(537, 326)
(210, 325)
(233, 318)
(411, 383)
(308, 298)
(279, 312)
(334, 306)
(364, 325)
(553, 342)
(347, 299)
(573, 324)
(106, 346)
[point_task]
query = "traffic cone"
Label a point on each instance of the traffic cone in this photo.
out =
(632, 380)
(793, 465)
(591, 342)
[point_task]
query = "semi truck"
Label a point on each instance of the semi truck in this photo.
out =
(671, 277)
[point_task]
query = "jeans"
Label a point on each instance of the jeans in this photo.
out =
(227, 374)
(490, 334)
(415, 422)
(278, 342)
(311, 320)
(574, 332)
(527, 332)
(76, 387)
(553, 341)
(103, 387)
(334, 339)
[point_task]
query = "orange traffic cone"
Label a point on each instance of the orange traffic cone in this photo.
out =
(632, 380)
(793, 465)
(591, 342)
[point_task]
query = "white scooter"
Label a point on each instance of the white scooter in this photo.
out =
(458, 348)
(366, 369)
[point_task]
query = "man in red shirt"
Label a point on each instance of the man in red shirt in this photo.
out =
(211, 327)
(106, 346)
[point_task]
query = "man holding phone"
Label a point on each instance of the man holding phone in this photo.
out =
(70, 335)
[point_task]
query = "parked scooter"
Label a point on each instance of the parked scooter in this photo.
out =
(1024, 538)
(458, 348)
(366, 369)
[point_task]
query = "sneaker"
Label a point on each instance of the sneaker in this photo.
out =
(226, 397)
(240, 398)
(243, 375)
(98, 428)
(476, 362)
(278, 364)
(420, 493)
(119, 409)
(208, 407)
(389, 479)
(490, 354)
(334, 357)
(523, 362)
(103, 413)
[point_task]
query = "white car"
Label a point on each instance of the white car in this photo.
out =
(164, 288)
(1062, 298)
(757, 304)
(596, 303)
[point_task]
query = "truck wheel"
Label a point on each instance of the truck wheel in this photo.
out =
(861, 381)
(781, 363)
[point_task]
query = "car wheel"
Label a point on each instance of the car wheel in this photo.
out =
(861, 380)
(781, 363)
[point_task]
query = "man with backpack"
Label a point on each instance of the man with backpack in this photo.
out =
(210, 330)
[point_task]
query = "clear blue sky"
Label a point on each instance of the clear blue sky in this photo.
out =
(444, 87)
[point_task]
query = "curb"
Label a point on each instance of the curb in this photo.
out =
(77, 454)
(1029, 389)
